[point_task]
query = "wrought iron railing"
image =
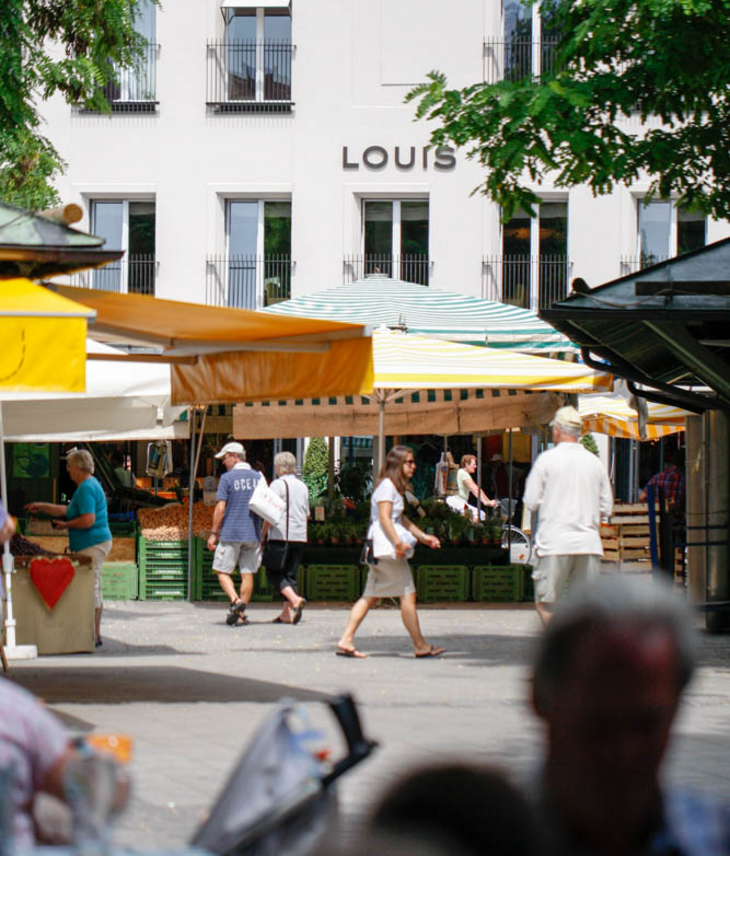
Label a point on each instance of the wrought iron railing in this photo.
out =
(131, 274)
(631, 264)
(249, 76)
(134, 89)
(248, 282)
(513, 60)
(531, 282)
(414, 267)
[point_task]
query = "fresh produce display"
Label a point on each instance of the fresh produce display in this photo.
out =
(21, 546)
(171, 522)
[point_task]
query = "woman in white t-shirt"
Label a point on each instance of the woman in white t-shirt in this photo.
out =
(394, 538)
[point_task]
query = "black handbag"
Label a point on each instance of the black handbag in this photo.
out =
(275, 552)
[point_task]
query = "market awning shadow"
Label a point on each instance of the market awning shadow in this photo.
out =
(152, 684)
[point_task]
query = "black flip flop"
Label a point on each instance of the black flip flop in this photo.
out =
(298, 612)
(234, 613)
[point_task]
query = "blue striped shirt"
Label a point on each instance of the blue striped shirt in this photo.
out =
(236, 488)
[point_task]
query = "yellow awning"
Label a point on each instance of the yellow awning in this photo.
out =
(614, 417)
(44, 339)
(227, 355)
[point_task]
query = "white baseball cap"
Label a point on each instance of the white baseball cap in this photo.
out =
(568, 416)
(230, 447)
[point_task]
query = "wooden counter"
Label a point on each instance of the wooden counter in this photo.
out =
(69, 626)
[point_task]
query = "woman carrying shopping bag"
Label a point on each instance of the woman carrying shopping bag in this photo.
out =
(286, 542)
(393, 539)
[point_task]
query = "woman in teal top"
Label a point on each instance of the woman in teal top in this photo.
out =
(87, 521)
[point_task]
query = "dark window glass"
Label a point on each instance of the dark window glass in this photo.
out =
(690, 230)
(654, 224)
(516, 260)
(414, 228)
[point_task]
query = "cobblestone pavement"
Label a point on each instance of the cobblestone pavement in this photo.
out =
(192, 691)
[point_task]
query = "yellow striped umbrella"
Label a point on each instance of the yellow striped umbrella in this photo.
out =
(614, 417)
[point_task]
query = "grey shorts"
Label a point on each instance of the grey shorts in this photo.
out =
(244, 554)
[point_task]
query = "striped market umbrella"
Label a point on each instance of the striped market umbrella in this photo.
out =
(408, 363)
(379, 300)
(614, 417)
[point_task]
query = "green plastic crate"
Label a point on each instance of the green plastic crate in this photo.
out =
(119, 581)
(528, 585)
(436, 584)
(163, 569)
(333, 583)
(497, 584)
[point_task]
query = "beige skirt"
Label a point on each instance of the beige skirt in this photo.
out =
(390, 578)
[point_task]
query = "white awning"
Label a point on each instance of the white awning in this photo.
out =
(264, 4)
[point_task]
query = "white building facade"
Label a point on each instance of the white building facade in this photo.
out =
(266, 152)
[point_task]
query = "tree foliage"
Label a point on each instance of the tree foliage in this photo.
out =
(666, 62)
(70, 47)
(315, 469)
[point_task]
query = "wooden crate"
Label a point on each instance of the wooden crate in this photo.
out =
(626, 540)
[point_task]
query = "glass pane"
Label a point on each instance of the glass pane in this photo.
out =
(554, 229)
(277, 26)
(277, 250)
(241, 26)
(144, 20)
(518, 40)
(516, 260)
(654, 221)
(378, 227)
(277, 56)
(414, 228)
(141, 255)
(243, 220)
(107, 223)
(690, 230)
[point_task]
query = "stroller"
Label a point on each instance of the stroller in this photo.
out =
(280, 799)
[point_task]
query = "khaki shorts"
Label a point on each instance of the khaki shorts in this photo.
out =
(244, 554)
(98, 553)
(552, 573)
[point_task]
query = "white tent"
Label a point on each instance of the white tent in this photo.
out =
(123, 401)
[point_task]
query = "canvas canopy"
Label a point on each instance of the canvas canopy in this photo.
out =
(124, 400)
(382, 301)
(223, 355)
(614, 417)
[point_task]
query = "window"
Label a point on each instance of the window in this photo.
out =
(395, 240)
(127, 225)
(257, 268)
(527, 48)
(251, 67)
(534, 264)
(135, 89)
(666, 230)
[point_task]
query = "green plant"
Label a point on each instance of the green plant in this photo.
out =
(316, 467)
(589, 442)
(354, 480)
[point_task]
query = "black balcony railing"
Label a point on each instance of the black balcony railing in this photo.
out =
(249, 76)
(531, 282)
(134, 90)
(131, 274)
(248, 282)
(514, 60)
(631, 264)
(414, 267)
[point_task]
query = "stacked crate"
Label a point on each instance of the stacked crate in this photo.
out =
(119, 581)
(163, 569)
(436, 584)
(626, 540)
(333, 583)
(497, 584)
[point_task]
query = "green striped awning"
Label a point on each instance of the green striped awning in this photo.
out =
(378, 300)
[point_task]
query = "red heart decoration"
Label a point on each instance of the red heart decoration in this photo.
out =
(51, 578)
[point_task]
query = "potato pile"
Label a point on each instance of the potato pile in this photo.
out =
(171, 522)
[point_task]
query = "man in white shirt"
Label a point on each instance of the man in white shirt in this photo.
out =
(569, 486)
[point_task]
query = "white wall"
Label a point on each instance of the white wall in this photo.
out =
(353, 63)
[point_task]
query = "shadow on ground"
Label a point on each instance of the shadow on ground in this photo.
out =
(152, 684)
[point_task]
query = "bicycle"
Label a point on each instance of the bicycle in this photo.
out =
(512, 536)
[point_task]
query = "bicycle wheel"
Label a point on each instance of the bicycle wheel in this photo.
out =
(517, 538)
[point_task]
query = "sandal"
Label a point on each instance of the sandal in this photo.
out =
(236, 611)
(432, 651)
(298, 612)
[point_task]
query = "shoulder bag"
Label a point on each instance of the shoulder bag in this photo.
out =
(265, 503)
(275, 552)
